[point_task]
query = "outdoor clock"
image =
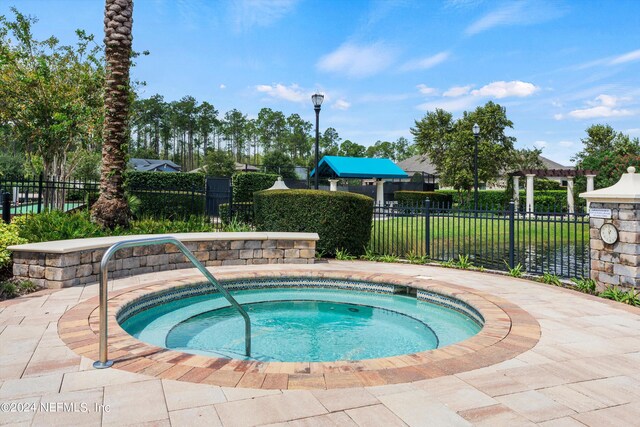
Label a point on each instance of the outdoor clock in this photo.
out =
(609, 233)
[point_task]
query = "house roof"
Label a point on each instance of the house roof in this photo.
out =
(154, 165)
(358, 167)
(550, 164)
(420, 163)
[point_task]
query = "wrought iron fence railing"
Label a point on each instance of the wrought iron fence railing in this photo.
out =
(549, 241)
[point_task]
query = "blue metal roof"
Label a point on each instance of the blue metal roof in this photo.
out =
(359, 167)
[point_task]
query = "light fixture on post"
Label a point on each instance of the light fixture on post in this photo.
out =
(476, 135)
(317, 102)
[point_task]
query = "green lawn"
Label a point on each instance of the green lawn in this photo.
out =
(399, 236)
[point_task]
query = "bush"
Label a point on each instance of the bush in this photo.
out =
(167, 195)
(164, 180)
(491, 199)
(9, 235)
(342, 220)
(549, 200)
(220, 163)
(246, 183)
(418, 197)
(240, 212)
(14, 288)
(56, 225)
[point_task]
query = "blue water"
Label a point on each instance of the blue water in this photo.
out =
(302, 324)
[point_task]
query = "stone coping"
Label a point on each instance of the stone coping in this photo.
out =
(74, 245)
(508, 331)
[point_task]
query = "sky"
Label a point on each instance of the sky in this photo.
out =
(558, 66)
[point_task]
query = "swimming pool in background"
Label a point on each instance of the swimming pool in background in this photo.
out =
(309, 322)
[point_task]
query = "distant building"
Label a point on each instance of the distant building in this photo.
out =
(422, 165)
(153, 165)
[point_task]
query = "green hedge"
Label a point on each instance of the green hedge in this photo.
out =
(165, 180)
(486, 198)
(167, 195)
(246, 183)
(341, 219)
(549, 200)
(418, 197)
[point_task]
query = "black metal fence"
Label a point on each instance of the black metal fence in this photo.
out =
(36, 195)
(553, 241)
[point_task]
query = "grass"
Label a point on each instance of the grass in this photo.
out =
(399, 236)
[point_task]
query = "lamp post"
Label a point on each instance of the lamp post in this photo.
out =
(476, 135)
(317, 102)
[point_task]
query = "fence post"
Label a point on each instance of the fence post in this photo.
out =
(512, 234)
(230, 200)
(6, 207)
(40, 192)
(427, 227)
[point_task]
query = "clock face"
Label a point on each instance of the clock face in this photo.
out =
(609, 234)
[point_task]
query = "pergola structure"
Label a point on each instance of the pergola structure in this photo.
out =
(569, 174)
(361, 168)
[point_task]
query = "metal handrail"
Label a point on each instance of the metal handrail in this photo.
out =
(104, 362)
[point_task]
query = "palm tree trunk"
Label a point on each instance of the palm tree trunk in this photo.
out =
(111, 209)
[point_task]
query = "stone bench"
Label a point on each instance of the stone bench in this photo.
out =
(65, 263)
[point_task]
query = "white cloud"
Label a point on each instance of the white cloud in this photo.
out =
(341, 104)
(631, 56)
(558, 116)
(633, 131)
(358, 61)
(457, 91)
(540, 144)
(452, 104)
(504, 89)
(223, 86)
(291, 93)
(516, 13)
(262, 13)
(566, 144)
(604, 106)
(425, 63)
(426, 90)
(627, 57)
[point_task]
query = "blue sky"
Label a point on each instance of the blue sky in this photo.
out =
(557, 66)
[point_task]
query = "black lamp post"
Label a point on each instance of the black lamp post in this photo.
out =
(476, 135)
(317, 102)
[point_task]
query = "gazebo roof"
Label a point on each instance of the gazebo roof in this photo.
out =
(359, 167)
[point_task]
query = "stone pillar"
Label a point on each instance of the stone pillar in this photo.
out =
(530, 206)
(590, 187)
(333, 185)
(380, 192)
(617, 262)
(570, 203)
(516, 190)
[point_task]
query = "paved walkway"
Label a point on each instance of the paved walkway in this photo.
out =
(585, 370)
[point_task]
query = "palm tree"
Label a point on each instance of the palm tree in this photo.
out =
(111, 209)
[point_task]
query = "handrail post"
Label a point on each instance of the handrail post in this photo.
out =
(104, 361)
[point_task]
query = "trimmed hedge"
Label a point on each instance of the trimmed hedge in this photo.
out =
(246, 183)
(418, 197)
(167, 195)
(550, 200)
(164, 180)
(341, 219)
(486, 198)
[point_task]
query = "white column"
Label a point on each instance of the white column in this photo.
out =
(516, 190)
(530, 177)
(333, 185)
(570, 203)
(380, 192)
(590, 187)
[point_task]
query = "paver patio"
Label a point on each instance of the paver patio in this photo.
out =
(585, 369)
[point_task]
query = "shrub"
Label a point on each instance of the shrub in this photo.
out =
(13, 288)
(56, 225)
(418, 197)
(246, 183)
(240, 212)
(342, 220)
(492, 199)
(9, 235)
(167, 195)
(550, 200)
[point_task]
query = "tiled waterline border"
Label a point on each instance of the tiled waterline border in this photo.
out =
(507, 332)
